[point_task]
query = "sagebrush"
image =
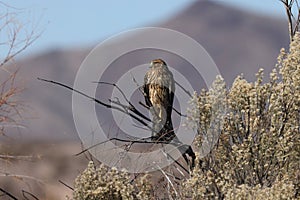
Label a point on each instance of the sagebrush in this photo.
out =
(257, 152)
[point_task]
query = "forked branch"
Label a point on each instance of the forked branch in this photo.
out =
(292, 10)
(131, 111)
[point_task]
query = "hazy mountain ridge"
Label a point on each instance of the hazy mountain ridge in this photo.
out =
(238, 41)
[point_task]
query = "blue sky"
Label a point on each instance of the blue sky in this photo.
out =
(81, 23)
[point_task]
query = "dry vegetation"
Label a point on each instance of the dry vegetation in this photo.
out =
(257, 151)
(257, 155)
(15, 38)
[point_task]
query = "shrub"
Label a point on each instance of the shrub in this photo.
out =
(103, 183)
(256, 128)
(248, 142)
(258, 152)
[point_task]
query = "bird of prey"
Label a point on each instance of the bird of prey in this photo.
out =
(159, 88)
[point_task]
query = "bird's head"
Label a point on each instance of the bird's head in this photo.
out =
(158, 63)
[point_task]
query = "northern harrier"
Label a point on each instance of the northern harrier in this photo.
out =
(159, 88)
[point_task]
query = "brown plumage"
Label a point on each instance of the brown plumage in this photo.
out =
(159, 88)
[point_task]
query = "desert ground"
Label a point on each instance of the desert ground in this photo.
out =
(38, 168)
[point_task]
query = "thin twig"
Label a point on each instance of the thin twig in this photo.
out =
(24, 193)
(100, 102)
(179, 164)
(169, 180)
(179, 113)
(19, 176)
(186, 91)
(140, 141)
(66, 185)
(26, 158)
(293, 22)
(131, 106)
(8, 194)
(124, 109)
(141, 88)
(119, 89)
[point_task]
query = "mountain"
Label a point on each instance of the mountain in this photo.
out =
(238, 41)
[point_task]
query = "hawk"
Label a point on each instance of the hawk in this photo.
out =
(159, 88)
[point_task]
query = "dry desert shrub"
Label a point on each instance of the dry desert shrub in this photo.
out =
(104, 183)
(256, 155)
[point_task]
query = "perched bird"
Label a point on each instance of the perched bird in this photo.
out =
(159, 88)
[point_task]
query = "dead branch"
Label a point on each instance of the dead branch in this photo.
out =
(66, 185)
(131, 106)
(177, 144)
(20, 177)
(17, 38)
(140, 141)
(169, 183)
(185, 90)
(24, 158)
(8, 194)
(25, 193)
(9, 109)
(131, 111)
(135, 115)
(118, 88)
(293, 22)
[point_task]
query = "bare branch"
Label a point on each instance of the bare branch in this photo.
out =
(130, 107)
(135, 115)
(169, 182)
(179, 113)
(25, 193)
(9, 109)
(17, 38)
(293, 22)
(21, 177)
(184, 149)
(8, 194)
(139, 141)
(119, 89)
(181, 147)
(66, 185)
(25, 158)
(185, 90)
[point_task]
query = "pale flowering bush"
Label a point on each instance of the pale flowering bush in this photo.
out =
(257, 155)
(104, 183)
(248, 142)
(101, 183)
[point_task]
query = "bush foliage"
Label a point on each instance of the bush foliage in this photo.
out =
(256, 155)
(103, 183)
(258, 152)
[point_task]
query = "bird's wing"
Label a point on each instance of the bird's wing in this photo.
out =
(171, 88)
(146, 91)
(170, 95)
